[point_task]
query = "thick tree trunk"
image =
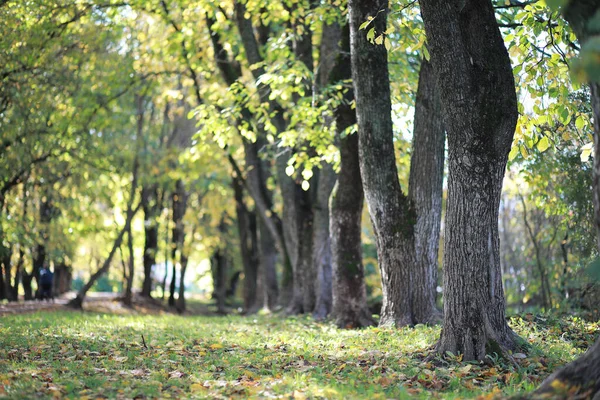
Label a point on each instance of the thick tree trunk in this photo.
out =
(478, 96)
(392, 217)
(151, 209)
(350, 308)
(425, 193)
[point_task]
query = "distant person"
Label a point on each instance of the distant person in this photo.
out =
(46, 278)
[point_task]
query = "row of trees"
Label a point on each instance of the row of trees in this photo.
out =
(95, 98)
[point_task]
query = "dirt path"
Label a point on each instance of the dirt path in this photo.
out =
(102, 303)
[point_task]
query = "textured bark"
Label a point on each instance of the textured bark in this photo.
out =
(151, 210)
(479, 102)
(392, 217)
(425, 193)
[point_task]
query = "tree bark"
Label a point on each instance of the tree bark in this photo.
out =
(268, 257)
(390, 210)
(321, 250)
(253, 299)
(128, 298)
(180, 305)
(479, 102)
(151, 209)
(425, 193)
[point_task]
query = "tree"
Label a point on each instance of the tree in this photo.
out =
(479, 103)
(406, 227)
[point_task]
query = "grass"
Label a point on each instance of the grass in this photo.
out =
(63, 354)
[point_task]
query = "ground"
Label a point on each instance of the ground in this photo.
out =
(114, 352)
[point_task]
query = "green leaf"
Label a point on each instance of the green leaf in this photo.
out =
(365, 24)
(371, 35)
(426, 53)
(513, 153)
(543, 144)
(579, 122)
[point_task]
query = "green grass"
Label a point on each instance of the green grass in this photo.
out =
(87, 355)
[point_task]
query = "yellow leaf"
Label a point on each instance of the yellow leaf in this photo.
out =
(197, 387)
(388, 44)
(297, 395)
(215, 346)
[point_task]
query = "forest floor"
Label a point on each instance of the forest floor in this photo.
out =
(113, 352)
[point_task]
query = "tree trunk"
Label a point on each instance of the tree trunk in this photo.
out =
(268, 259)
(18, 274)
(178, 235)
(479, 102)
(219, 268)
(5, 274)
(391, 214)
(38, 262)
(128, 298)
(425, 193)
(253, 299)
(62, 278)
(180, 305)
(321, 250)
(151, 209)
